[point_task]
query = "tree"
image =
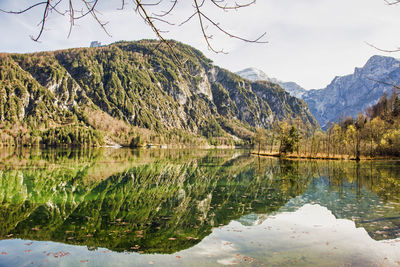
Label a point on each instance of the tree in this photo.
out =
(391, 142)
(259, 138)
(360, 134)
(351, 136)
(272, 133)
(396, 107)
(289, 139)
(153, 14)
(137, 141)
(337, 139)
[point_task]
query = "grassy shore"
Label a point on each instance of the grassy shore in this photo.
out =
(323, 156)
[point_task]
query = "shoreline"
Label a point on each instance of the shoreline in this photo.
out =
(322, 157)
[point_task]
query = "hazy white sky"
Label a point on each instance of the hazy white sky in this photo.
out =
(310, 41)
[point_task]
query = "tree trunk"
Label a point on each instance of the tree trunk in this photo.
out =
(272, 143)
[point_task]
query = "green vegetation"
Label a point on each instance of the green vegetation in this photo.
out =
(129, 92)
(289, 139)
(72, 136)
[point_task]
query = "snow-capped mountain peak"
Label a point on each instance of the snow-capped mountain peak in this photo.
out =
(254, 74)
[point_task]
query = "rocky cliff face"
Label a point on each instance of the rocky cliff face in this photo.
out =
(348, 95)
(139, 85)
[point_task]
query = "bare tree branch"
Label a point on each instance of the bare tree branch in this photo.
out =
(236, 6)
(43, 22)
(201, 16)
(384, 50)
(78, 9)
(174, 2)
(25, 10)
(206, 37)
(385, 83)
(390, 3)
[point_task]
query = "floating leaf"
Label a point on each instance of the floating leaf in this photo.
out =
(60, 254)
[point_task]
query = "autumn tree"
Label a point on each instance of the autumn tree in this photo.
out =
(259, 138)
(272, 135)
(337, 139)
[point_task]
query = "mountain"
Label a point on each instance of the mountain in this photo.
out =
(133, 92)
(293, 88)
(254, 74)
(348, 95)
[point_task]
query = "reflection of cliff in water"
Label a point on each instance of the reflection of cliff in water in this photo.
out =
(151, 203)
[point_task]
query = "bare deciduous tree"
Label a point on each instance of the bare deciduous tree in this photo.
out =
(154, 15)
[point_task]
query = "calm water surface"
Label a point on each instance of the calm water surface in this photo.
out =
(195, 208)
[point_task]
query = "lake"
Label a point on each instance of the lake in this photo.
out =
(122, 207)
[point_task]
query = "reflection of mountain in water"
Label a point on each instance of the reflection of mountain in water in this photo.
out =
(167, 201)
(159, 207)
(252, 219)
(367, 193)
(364, 207)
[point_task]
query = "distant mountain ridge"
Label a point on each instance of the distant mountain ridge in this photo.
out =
(345, 95)
(254, 74)
(348, 95)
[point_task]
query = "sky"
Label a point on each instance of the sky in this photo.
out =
(309, 41)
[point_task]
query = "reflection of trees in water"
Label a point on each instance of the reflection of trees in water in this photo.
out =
(159, 206)
(381, 178)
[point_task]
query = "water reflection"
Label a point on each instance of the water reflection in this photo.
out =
(137, 205)
(166, 201)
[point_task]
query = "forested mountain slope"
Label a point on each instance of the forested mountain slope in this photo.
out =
(133, 92)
